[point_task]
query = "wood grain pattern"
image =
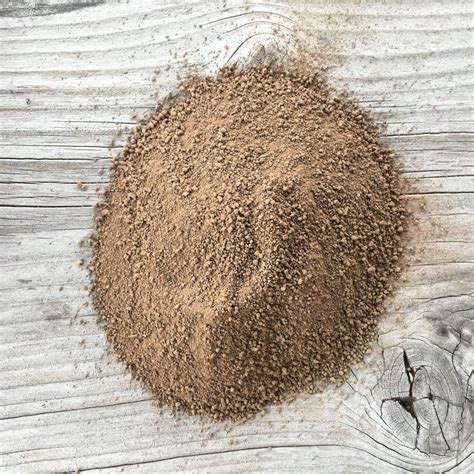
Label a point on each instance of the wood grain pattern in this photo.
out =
(71, 74)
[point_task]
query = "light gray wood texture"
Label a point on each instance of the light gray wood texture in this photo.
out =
(71, 74)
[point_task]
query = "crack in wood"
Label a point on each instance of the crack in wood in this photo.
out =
(409, 404)
(254, 448)
(466, 401)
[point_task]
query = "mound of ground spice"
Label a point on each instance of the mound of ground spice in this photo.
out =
(247, 242)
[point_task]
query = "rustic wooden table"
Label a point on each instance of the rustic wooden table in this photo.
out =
(71, 74)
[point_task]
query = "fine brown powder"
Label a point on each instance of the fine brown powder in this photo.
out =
(247, 242)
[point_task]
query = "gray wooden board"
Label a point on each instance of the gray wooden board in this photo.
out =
(71, 74)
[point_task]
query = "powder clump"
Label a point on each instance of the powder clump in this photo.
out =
(247, 241)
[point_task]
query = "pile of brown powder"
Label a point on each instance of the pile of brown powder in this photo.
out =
(247, 242)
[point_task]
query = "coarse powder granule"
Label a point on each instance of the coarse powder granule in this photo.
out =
(247, 242)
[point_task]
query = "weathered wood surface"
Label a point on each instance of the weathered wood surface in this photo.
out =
(71, 73)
